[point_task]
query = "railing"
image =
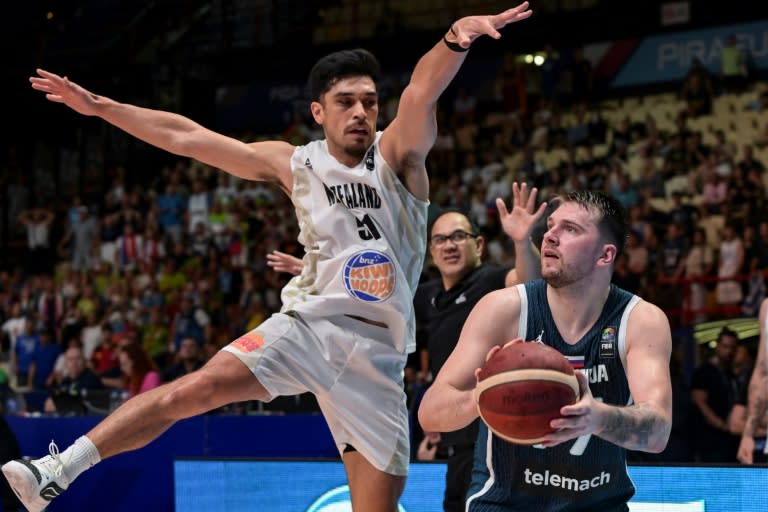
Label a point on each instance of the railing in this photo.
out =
(685, 314)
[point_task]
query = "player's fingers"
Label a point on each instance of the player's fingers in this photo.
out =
(39, 86)
(512, 15)
(512, 342)
(503, 212)
(531, 199)
(47, 74)
(493, 350)
(583, 383)
(522, 194)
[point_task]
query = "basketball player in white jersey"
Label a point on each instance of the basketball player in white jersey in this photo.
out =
(757, 398)
(347, 320)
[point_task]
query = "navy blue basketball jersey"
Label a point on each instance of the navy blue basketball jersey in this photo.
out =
(587, 473)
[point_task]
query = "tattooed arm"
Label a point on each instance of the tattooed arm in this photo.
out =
(645, 425)
(757, 395)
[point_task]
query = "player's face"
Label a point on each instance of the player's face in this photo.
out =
(571, 246)
(454, 259)
(348, 113)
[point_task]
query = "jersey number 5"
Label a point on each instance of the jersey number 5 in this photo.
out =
(366, 228)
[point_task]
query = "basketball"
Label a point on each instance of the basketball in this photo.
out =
(521, 388)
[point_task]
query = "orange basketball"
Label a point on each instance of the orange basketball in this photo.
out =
(521, 388)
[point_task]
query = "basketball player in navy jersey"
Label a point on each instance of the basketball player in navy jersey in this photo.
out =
(754, 444)
(623, 343)
(347, 320)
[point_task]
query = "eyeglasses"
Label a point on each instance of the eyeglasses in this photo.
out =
(458, 237)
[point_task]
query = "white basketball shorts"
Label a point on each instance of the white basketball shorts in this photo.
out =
(351, 367)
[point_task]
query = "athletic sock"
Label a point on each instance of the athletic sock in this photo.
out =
(79, 457)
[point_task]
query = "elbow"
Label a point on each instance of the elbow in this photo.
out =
(416, 94)
(658, 440)
(428, 415)
(657, 447)
(425, 419)
(183, 146)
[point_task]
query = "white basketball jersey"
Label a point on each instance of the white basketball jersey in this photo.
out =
(364, 236)
(764, 339)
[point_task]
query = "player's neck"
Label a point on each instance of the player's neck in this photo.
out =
(575, 309)
(343, 156)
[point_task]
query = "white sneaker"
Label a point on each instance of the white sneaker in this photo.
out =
(37, 482)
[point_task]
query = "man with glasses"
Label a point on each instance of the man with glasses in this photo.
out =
(444, 303)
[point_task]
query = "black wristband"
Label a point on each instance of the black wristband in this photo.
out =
(454, 47)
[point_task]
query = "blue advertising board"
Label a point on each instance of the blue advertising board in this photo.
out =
(320, 486)
(668, 57)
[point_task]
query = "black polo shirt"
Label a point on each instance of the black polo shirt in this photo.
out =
(440, 316)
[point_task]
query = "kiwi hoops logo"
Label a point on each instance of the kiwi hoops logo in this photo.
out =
(369, 276)
(337, 500)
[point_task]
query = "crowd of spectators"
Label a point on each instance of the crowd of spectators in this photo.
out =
(150, 281)
(144, 286)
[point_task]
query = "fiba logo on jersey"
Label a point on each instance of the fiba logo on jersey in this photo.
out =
(337, 500)
(369, 276)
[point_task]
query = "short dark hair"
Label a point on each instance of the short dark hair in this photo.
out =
(613, 217)
(338, 65)
(472, 225)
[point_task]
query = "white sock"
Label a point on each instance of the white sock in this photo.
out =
(79, 457)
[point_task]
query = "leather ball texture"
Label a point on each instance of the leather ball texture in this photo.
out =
(521, 388)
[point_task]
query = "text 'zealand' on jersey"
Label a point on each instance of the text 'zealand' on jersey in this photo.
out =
(353, 195)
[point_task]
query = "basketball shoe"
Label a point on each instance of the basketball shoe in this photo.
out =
(37, 482)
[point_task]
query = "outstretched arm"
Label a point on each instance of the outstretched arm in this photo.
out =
(757, 394)
(646, 424)
(263, 161)
(518, 224)
(410, 136)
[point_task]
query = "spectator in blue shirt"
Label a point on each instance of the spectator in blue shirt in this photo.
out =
(170, 206)
(23, 354)
(43, 360)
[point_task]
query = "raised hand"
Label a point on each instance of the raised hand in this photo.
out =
(282, 262)
(519, 222)
(467, 29)
(60, 90)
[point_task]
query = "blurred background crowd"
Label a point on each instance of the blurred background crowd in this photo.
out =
(122, 268)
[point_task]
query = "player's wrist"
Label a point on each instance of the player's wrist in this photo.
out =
(520, 242)
(451, 40)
